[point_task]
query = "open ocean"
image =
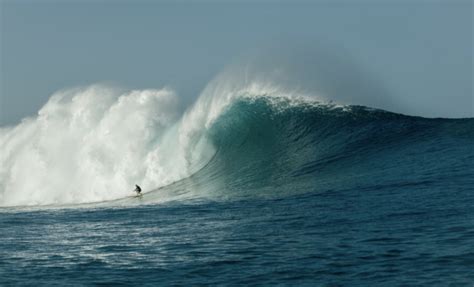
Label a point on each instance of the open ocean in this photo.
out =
(258, 189)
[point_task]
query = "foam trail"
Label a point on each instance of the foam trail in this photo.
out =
(93, 144)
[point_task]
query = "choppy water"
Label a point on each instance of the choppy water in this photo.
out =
(281, 192)
(348, 237)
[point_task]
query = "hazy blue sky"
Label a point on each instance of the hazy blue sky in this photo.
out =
(421, 52)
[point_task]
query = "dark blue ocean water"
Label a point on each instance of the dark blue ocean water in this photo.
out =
(295, 195)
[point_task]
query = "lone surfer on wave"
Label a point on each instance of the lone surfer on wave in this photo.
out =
(138, 189)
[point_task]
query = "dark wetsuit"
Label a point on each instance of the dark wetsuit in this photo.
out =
(138, 189)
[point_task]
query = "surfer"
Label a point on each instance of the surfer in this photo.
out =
(138, 189)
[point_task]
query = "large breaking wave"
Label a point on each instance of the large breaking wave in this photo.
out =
(93, 144)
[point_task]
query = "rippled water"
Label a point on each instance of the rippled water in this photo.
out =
(398, 236)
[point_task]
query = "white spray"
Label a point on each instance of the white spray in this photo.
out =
(94, 144)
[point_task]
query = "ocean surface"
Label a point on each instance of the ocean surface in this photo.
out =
(256, 189)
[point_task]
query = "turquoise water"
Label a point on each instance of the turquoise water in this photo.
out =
(295, 194)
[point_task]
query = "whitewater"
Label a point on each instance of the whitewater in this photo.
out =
(92, 144)
(252, 184)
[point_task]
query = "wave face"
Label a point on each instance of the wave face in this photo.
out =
(279, 147)
(94, 144)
